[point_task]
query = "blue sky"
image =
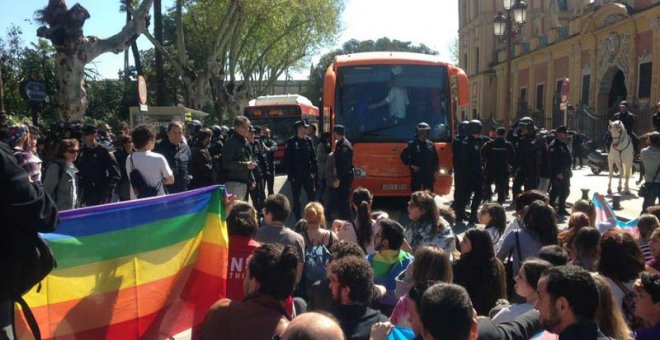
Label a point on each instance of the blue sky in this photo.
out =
(432, 22)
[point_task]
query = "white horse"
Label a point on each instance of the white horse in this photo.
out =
(621, 154)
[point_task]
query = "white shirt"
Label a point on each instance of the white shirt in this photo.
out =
(398, 99)
(511, 312)
(152, 166)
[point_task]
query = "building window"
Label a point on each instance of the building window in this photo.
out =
(645, 70)
(586, 87)
(474, 114)
(539, 97)
(477, 57)
(563, 5)
(523, 95)
(558, 88)
(465, 63)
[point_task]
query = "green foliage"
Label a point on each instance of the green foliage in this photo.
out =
(314, 90)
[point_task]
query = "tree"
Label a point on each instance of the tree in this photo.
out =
(314, 89)
(63, 26)
(454, 51)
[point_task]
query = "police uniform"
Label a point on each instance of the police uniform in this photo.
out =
(301, 167)
(529, 154)
(472, 168)
(257, 194)
(215, 149)
(422, 154)
(269, 178)
(628, 120)
(459, 169)
(560, 165)
(498, 156)
(98, 173)
(339, 197)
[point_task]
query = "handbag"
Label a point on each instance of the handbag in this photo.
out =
(644, 189)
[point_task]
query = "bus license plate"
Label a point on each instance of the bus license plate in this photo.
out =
(393, 187)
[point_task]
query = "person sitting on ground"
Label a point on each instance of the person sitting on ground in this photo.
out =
(526, 285)
(431, 264)
(152, 166)
(539, 229)
(479, 271)
(609, 318)
(653, 266)
(587, 207)
(242, 225)
(318, 242)
(620, 264)
(351, 285)
(311, 325)
(647, 305)
(269, 280)
(272, 230)
(568, 299)
(427, 227)
(389, 261)
(61, 179)
(586, 249)
(493, 216)
(654, 210)
(554, 254)
(361, 231)
(521, 203)
(576, 221)
(645, 225)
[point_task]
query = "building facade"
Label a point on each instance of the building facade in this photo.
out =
(609, 51)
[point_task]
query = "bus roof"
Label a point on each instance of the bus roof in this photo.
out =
(371, 58)
(286, 99)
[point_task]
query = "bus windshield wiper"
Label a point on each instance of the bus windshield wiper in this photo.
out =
(375, 132)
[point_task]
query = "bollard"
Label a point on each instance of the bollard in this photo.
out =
(585, 194)
(616, 201)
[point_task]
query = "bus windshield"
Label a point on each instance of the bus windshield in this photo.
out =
(384, 103)
(279, 119)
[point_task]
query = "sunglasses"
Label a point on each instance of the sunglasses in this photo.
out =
(73, 151)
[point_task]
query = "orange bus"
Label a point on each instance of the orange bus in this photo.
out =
(380, 97)
(278, 113)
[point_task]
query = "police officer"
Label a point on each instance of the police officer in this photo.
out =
(271, 148)
(300, 164)
(340, 190)
(471, 165)
(560, 164)
(192, 130)
(215, 149)
(628, 119)
(97, 169)
(257, 193)
(656, 117)
(422, 159)
(498, 156)
(459, 174)
(528, 148)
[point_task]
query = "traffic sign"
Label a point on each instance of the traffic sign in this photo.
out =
(35, 91)
(142, 90)
(565, 90)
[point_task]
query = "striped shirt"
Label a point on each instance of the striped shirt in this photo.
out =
(646, 251)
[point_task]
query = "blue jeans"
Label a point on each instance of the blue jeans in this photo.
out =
(653, 196)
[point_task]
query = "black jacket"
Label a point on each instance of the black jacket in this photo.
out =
(523, 327)
(235, 156)
(202, 167)
(656, 121)
(560, 158)
(628, 120)
(356, 320)
(498, 156)
(300, 157)
(344, 160)
(422, 154)
(178, 157)
(98, 171)
(582, 331)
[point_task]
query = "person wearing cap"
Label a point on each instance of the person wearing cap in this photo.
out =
(656, 117)
(340, 190)
(178, 155)
(300, 164)
(422, 158)
(628, 119)
(498, 156)
(560, 166)
(98, 170)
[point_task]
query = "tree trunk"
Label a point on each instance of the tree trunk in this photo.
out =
(2, 90)
(160, 72)
(71, 99)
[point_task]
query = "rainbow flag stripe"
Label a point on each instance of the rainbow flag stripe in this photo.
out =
(145, 269)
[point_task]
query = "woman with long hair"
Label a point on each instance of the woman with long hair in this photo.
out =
(428, 228)
(493, 216)
(431, 264)
(609, 318)
(539, 228)
(361, 230)
(315, 232)
(587, 207)
(479, 271)
(526, 284)
(576, 221)
(61, 179)
(586, 248)
(19, 136)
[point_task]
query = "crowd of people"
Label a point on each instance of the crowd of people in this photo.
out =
(344, 271)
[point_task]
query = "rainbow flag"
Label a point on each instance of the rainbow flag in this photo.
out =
(145, 269)
(605, 214)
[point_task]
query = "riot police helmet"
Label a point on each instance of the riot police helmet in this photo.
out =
(194, 126)
(526, 122)
(463, 128)
(423, 127)
(475, 127)
(217, 131)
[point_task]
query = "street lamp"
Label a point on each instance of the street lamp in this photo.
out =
(507, 28)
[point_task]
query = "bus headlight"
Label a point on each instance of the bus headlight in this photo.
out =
(443, 171)
(359, 172)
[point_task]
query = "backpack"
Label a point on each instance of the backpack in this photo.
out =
(628, 307)
(330, 170)
(316, 258)
(140, 186)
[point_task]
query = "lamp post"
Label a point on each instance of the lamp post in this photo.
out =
(508, 28)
